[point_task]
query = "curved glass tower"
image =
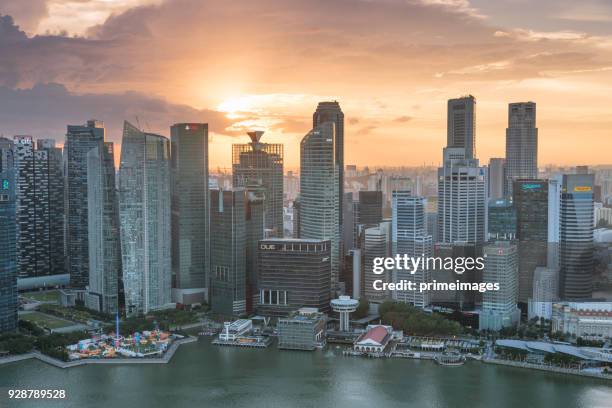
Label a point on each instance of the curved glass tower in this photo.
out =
(144, 210)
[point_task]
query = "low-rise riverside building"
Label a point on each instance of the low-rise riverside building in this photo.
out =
(303, 330)
(374, 340)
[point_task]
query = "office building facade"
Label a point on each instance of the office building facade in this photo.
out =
(521, 143)
(80, 139)
(502, 219)
(497, 178)
(190, 219)
(461, 125)
(262, 163)
(293, 273)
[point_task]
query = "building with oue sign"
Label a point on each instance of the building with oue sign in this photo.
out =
(293, 273)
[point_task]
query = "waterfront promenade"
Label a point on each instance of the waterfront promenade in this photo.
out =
(165, 358)
(549, 368)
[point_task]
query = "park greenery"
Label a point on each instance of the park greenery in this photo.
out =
(415, 322)
(362, 309)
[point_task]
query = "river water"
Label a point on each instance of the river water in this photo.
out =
(203, 375)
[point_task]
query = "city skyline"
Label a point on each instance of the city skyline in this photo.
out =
(392, 80)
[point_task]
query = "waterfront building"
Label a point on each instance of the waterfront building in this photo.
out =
(145, 216)
(377, 243)
(236, 329)
(545, 292)
(262, 163)
(330, 112)
(576, 237)
(39, 208)
(521, 143)
(499, 308)
(461, 125)
(374, 340)
(80, 139)
(319, 194)
(497, 178)
(8, 245)
(228, 251)
(502, 219)
(104, 235)
(302, 330)
(531, 203)
(190, 212)
(409, 237)
(344, 306)
(293, 273)
(589, 320)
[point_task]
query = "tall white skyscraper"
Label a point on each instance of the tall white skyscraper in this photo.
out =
(144, 208)
(499, 308)
(409, 236)
(319, 192)
(521, 143)
(377, 243)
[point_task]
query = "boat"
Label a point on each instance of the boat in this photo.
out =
(450, 358)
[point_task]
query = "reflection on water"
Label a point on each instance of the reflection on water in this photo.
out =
(202, 375)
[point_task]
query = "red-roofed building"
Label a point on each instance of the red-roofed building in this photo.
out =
(374, 340)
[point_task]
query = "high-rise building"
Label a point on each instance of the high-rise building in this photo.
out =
(262, 163)
(497, 178)
(554, 221)
(145, 215)
(461, 125)
(104, 235)
(254, 220)
(348, 223)
(521, 143)
(531, 203)
(409, 237)
(8, 254)
(39, 208)
(79, 141)
(54, 170)
(376, 244)
(576, 237)
(319, 193)
(369, 208)
(190, 223)
(462, 202)
(457, 299)
(545, 292)
(499, 306)
(228, 251)
(330, 112)
(502, 219)
(293, 273)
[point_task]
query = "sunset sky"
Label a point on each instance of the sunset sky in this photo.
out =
(264, 64)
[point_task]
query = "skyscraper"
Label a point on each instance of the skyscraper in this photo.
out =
(190, 216)
(497, 178)
(462, 202)
(293, 273)
(409, 237)
(531, 203)
(376, 244)
(319, 193)
(330, 112)
(254, 224)
(521, 143)
(228, 251)
(545, 292)
(144, 209)
(262, 163)
(499, 306)
(576, 237)
(502, 220)
(103, 237)
(461, 125)
(79, 141)
(8, 255)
